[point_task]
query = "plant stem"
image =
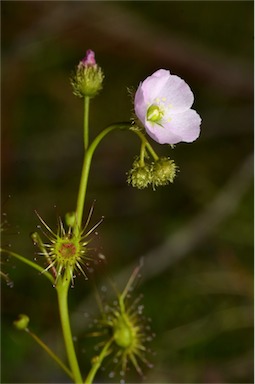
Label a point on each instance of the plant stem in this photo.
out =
(142, 153)
(146, 143)
(62, 291)
(82, 190)
(86, 168)
(153, 153)
(97, 363)
(50, 352)
(30, 263)
(86, 122)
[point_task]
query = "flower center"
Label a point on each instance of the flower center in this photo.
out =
(67, 250)
(122, 334)
(154, 113)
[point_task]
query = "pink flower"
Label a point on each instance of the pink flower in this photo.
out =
(163, 105)
(89, 60)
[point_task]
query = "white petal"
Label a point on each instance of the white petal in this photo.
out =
(178, 94)
(152, 87)
(184, 127)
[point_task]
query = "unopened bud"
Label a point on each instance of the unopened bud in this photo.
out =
(70, 219)
(22, 322)
(88, 78)
(89, 59)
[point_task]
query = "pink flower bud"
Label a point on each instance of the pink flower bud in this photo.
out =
(88, 78)
(89, 59)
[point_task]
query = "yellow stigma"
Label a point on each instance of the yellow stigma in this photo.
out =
(154, 113)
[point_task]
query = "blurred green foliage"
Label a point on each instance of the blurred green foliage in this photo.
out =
(201, 304)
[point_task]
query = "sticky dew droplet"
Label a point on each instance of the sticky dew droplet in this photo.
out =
(101, 257)
(140, 309)
(10, 284)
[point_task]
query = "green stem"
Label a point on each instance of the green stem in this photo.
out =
(82, 190)
(146, 143)
(86, 122)
(86, 168)
(142, 153)
(31, 264)
(50, 352)
(62, 291)
(97, 363)
(38, 241)
(153, 153)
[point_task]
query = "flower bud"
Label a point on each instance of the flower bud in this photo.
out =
(70, 219)
(22, 322)
(88, 78)
(164, 171)
(139, 176)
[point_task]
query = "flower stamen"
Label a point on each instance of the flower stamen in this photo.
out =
(155, 113)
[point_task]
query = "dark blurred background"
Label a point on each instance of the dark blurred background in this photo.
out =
(195, 236)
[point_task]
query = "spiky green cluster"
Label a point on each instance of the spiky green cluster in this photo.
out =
(164, 171)
(160, 172)
(127, 330)
(87, 81)
(139, 175)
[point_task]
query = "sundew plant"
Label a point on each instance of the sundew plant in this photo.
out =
(162, 114)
